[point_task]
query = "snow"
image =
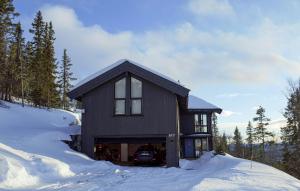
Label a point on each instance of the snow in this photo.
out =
(198, 103)
(32, 157)
(119, 62)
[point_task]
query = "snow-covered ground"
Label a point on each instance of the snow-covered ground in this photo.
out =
(32, 157)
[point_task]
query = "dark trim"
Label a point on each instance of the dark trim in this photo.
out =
(196, 135)
(130, 140)
(131, 136)
(218, 110)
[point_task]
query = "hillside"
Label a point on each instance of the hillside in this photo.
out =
(33, 157)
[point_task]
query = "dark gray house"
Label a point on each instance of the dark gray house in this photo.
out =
(127, 105)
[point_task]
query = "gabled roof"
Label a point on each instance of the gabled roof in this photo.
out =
(119, 68)
(198, 104)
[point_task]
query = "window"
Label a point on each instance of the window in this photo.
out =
(136, 96)
(201, 145)
(120, 97)
(198, 147)
(204, 144)
(200, 123)
(203, 123)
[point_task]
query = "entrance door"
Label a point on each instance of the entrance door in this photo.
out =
(189, 148)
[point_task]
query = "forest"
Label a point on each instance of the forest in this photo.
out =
(30, 71)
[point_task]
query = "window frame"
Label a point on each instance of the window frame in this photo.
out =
(136, 98)
(117, 99)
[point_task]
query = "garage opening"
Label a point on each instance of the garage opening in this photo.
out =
(131, 151)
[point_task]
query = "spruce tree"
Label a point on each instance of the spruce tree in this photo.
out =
(50, 94)
(224, 142)
(27, 73)
(261, 133)
(238, 143)
(65, 78)
(249, 139)
(215, 131)
(36, 65)
(17, 66)
(222, 147)
(291, 132)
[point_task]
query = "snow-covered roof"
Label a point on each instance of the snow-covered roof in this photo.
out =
(198, 103)
(119, 62)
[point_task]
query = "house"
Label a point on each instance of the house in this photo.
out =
(127, 105)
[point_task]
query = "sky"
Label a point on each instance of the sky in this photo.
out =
(235, 54)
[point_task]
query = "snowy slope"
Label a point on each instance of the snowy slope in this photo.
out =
(32, 157)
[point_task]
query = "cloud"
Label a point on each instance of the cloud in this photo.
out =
(183, 52)
(234, 95)
(215, 8)
(227, 113)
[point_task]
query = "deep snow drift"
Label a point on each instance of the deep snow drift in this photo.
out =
(33, 157)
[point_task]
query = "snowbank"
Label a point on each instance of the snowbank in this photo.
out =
(31, 151)
(32, 157)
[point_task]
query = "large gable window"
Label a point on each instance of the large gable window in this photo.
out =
(120, 97)
(136, 96)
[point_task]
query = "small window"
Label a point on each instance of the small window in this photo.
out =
(136, 96)
(120, 97)
(120, 107)
(136, 107)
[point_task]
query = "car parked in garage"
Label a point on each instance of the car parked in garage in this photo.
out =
(148, 154)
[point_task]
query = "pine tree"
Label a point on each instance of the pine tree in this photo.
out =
(65, 78)
(249, 139)
(238, 143)
(291, 132)
(7, 15)
(260, 131)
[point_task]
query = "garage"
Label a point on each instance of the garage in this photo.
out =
(131, 151)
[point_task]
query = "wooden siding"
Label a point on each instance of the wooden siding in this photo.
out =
(158, 119)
